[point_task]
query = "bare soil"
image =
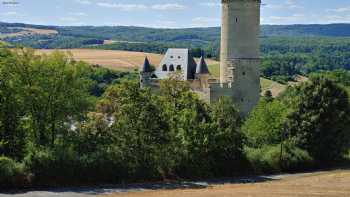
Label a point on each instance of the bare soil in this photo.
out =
(324, 184)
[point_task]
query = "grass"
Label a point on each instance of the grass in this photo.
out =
(332, 183)
(275, 87)
(214, 69)
(266, 84)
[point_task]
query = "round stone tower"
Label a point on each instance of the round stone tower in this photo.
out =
(240, 48)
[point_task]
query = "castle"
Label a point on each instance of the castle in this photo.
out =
(239, 64)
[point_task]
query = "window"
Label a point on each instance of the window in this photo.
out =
(164, 68)
(179, 57)
(171, 57)
(178, 67)
(243, 73)
(171, 68)
(236, 20)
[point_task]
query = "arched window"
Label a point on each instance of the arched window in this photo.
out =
(178, 67)
(164, 68)
(171, 68)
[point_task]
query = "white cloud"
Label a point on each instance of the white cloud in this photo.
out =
(68, 19)
(169, 6)
(133, 7)
(292, 19)
(205, 22)
(12, 13)
(124, 7)
(78, 14)
(340, 10)
(210, 4)
(84, 2)
(286, 5)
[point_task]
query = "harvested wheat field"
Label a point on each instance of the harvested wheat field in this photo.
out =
(324, 184)
(112, 59)
(116, 60)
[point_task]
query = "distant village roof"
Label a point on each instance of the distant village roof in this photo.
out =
(146, 67)
(202, 67)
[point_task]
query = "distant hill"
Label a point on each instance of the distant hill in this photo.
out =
(197, 36)
(156, 34)
(153, 40)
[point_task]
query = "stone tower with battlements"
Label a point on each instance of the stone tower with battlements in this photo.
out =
(239, 66)
(240, 58)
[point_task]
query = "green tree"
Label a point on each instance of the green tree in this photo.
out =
(12, 136)
(225, 139)
(320, 122)
(265, 123)
(140, 131)
(55, 92)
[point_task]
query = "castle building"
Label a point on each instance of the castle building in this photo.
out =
(239, 64)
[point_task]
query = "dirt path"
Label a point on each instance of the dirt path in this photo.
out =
(319, 184)
(324, 184)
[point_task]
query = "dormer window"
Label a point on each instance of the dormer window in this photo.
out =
(171, 68)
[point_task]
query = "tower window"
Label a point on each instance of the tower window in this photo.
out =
(243, 73)
(171, 68)
(242, 100)
(236, 20)
(164, 68)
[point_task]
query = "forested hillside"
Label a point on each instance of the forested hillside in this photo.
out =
(287, 50)
(71, 37)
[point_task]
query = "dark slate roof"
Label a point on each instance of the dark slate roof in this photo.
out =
(146, 67)
(202, 67)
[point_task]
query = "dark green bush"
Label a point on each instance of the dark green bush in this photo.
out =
(10, 172)
(268, 159)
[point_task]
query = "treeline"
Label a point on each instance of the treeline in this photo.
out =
(284, 58)
(53, 131)
(53, 41)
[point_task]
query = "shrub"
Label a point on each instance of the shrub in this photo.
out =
(268, 159)
(10, 171)
(320, 122)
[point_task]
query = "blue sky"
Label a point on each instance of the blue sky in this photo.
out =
(165, 13)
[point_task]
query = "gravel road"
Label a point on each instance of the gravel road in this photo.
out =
(91, 192)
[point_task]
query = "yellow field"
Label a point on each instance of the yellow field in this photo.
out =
(324, 184)
(29, 32)
(116, 60)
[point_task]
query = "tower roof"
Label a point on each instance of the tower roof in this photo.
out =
(202, 67)
(146, 67)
